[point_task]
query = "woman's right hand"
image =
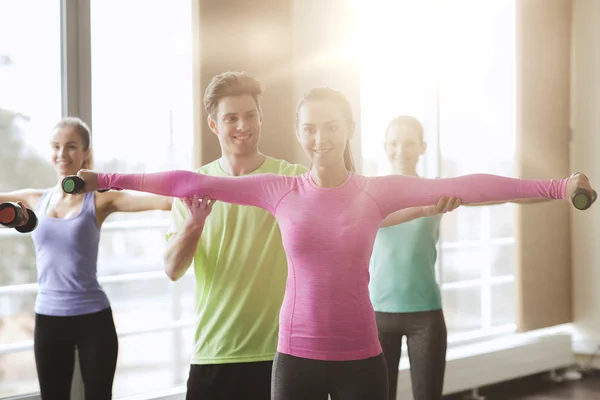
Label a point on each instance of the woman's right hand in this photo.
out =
(25, 214)
(90, 178)
(577, 181)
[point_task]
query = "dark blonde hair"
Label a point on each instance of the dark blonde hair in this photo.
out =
(83, 130)
(328, 94)
(406, 121)
(231, 83)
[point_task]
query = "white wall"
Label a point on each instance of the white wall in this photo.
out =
(585, 121)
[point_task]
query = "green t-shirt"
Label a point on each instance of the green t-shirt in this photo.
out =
(241, 270)
(402, 267)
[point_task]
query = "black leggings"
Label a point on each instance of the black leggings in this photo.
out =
(55, 339)
(427, 340)
(297, 378)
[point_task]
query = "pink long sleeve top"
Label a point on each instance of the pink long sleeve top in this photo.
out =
(328, 235)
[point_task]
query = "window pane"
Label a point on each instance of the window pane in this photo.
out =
(17, 374)
(464, 223)
(140, 369)
(477, 119)
(477, 85)
(16, 316)
(123, 251)
(148, 303)
(142, 121)
(502, 219)
(461, 264)
(503, 304)
(462, 309)
(503, 260)
(30, 104)
(396, 82)
(141, 84)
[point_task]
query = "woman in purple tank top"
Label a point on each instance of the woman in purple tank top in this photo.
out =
(72, 311)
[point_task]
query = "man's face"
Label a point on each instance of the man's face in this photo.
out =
(237, 124)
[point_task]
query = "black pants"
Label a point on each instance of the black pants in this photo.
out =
(55, 339)
(237, 381)
(427, 339)
(297, 378)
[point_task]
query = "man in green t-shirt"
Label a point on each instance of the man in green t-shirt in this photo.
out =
(237, 253)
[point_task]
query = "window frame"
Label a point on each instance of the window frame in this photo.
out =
(76, 100)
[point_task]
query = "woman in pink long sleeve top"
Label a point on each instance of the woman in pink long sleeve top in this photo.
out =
(329, 218)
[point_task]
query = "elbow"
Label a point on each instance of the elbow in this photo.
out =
(171, 273)
(167, 204)
(170, 269)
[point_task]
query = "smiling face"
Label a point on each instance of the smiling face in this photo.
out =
(404, 146)
(237, 122)
(323, 132)
(69, 151)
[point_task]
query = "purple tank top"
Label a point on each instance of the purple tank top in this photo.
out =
(66, 256)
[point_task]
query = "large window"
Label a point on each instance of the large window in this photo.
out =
(30, 103)
(452, 65)
(141, 67)
(142, 122)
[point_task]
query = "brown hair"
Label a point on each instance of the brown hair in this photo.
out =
(407, 121)
(328, 94)
(83, 130)
(231, 83)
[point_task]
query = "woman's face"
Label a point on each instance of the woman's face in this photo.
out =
(404, 146)
(323, 132)
(68, 153)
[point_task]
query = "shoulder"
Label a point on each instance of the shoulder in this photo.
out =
(284, 167)
(30, 197)
(212, 168)
(32, 193)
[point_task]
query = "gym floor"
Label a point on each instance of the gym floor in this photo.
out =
(538, 387)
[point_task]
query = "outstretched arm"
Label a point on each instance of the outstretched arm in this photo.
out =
(261, 190)
(443, 205)
(396, 192)
(124, 202)
(29, 197)
(514, 201)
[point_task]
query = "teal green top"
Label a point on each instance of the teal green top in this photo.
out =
(403, 267)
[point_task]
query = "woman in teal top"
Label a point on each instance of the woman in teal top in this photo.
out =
(403, 286)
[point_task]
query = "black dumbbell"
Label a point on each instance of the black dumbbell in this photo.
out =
(11, 216)
(582, 199)
(73, 184)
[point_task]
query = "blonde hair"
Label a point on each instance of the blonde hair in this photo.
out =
(406, 121)
(231, 83)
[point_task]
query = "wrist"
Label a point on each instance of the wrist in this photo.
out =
(193, 226)
(426, 211)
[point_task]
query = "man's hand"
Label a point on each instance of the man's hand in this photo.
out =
(199, 208)
(444, 205)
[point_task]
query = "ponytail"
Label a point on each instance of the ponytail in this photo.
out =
(348, 159)
(89, 162)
